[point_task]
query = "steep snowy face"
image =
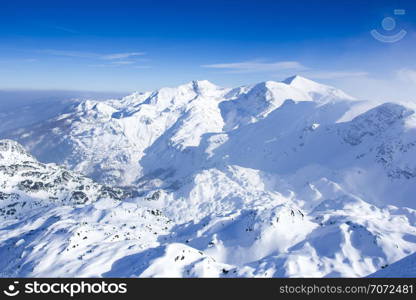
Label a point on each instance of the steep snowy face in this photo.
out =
(318, 92)
(371, 155)
(404, 268)
(251, 103)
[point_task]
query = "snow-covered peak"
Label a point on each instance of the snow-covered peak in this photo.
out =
(253, 102)
(319, 92)
(11, 147)
(203, 88)
(297, 79)
(203, 85)
(164, 96)
(197, 86)
(12, 152)
(95, 109)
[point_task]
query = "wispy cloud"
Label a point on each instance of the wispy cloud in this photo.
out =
(142, 67)
(123, 62)
(115, 64)
(92, 55)
(407, 75)
(70, 53)
(122, 55)
(20, 60)
(257, 66)
(335, 74)
(288, 66)
(102, 60)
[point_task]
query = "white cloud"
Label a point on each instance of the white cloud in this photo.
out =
(123, 62)
(82, 54)
(30, 60)
(122, 55)
(257, 66)
(111, 60)
(115, 64)
(69, 53)
(22, 60)
(260, 66)
(335, 74)
(406, 75)
(142, 67)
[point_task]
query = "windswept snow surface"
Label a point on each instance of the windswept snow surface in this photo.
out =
(405, 267)
(276, 179)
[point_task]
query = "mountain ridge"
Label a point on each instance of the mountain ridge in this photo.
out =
(195, 111)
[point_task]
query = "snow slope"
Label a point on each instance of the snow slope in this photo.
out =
(283, 179)
(405, 267)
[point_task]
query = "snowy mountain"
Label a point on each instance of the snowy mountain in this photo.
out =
(291, 178)
(105, 140)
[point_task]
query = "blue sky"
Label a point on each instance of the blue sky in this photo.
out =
(142, 45)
